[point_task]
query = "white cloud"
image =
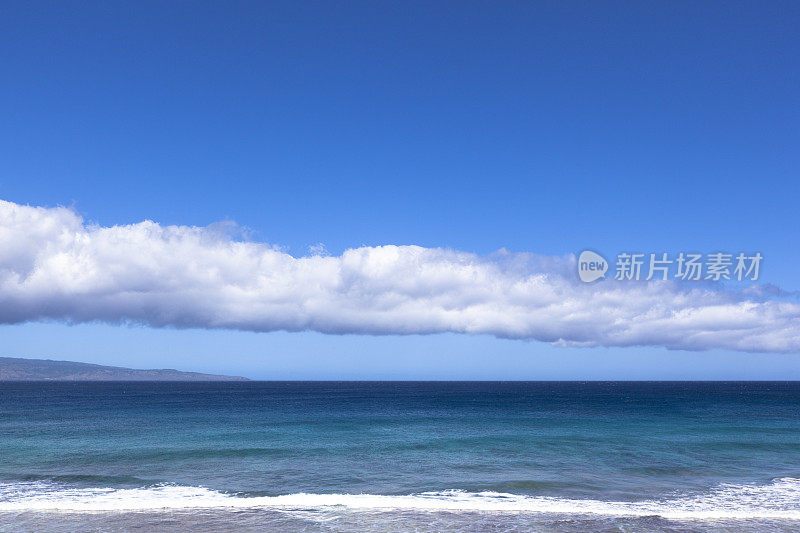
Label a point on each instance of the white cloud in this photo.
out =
(55, 266)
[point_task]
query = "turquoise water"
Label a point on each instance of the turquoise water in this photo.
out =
(325, 456)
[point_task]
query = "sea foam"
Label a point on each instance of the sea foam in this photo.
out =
(779, 500)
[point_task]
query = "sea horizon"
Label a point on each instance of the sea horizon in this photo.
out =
(400, 455)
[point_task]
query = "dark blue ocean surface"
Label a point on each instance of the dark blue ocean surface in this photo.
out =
(336, 456)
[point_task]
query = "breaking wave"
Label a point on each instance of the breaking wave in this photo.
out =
(779, 500)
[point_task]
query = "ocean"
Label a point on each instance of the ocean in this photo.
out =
(400, 456)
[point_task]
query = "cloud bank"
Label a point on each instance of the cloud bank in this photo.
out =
(55, 266)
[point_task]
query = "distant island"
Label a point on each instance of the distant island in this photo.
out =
(18, 369)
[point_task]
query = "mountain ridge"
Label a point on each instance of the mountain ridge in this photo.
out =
(23, 369)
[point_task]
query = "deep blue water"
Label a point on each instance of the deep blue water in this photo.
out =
(440, 455)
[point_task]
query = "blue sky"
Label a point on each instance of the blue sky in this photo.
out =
(545, 127)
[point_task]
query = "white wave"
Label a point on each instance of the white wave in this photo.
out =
(778, 500)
